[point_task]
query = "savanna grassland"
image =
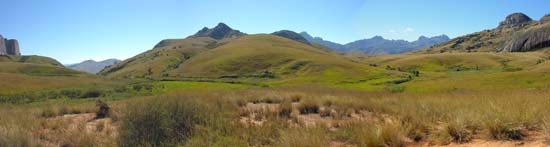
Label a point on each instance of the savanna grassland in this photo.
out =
(458, 112)
(221, 87)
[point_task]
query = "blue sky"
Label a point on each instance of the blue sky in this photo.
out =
(75, 30)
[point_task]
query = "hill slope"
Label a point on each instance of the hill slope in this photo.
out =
(31, 59)
(20, 77)
(470, 71)
(516, 33)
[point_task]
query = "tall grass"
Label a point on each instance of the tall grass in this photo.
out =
(174, 120)
(16, 127)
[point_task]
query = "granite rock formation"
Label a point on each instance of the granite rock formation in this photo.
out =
(9, 47)
(515, 20)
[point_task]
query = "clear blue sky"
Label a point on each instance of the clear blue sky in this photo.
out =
(76, 30)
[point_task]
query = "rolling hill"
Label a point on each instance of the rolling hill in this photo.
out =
(30, 59)
(259, 58)
(34, 73)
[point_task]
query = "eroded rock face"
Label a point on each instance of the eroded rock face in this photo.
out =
(12, 47)
(3, 50)
(9, 47)
(515, 20)
(545, 19)
(530, 40)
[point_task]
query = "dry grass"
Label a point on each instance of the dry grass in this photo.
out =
(351, 118)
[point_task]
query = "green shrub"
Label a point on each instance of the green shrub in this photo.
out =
(92, 93)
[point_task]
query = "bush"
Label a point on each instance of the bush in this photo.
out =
(295, 98)
(103, 109)
(459, 132)
(501, 131)
(308, 106)
(92, 93)
(285, 109)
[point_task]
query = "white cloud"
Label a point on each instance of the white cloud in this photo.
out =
(392, 31)
(408, 29)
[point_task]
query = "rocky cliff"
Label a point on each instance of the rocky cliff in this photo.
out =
(529, 40)
(9, 47)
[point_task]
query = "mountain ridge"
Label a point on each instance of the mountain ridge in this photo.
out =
(378, 44)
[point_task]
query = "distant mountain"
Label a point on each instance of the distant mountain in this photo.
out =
(92, 66)
(379, 45)
(335, 46)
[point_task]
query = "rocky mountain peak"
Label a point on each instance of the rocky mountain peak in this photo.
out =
(515, 20)
(377, 38)
(219, 32)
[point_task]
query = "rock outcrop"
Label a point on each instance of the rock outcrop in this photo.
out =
(515, 20)
(529, 40)
(9, 47)
(545, 19)
(219, 32)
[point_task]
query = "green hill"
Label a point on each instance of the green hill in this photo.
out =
(470, 71)
(262, 58)
(31, 59)
(19, 77)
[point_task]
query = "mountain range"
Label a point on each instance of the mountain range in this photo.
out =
(378, 45)
(92, 66)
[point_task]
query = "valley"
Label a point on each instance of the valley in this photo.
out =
(223, 87)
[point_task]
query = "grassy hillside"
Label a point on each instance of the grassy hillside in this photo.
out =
(493, 40)
(470, 71)
(266, 59)
(31, 59)
(155, 63)
(18, 77)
